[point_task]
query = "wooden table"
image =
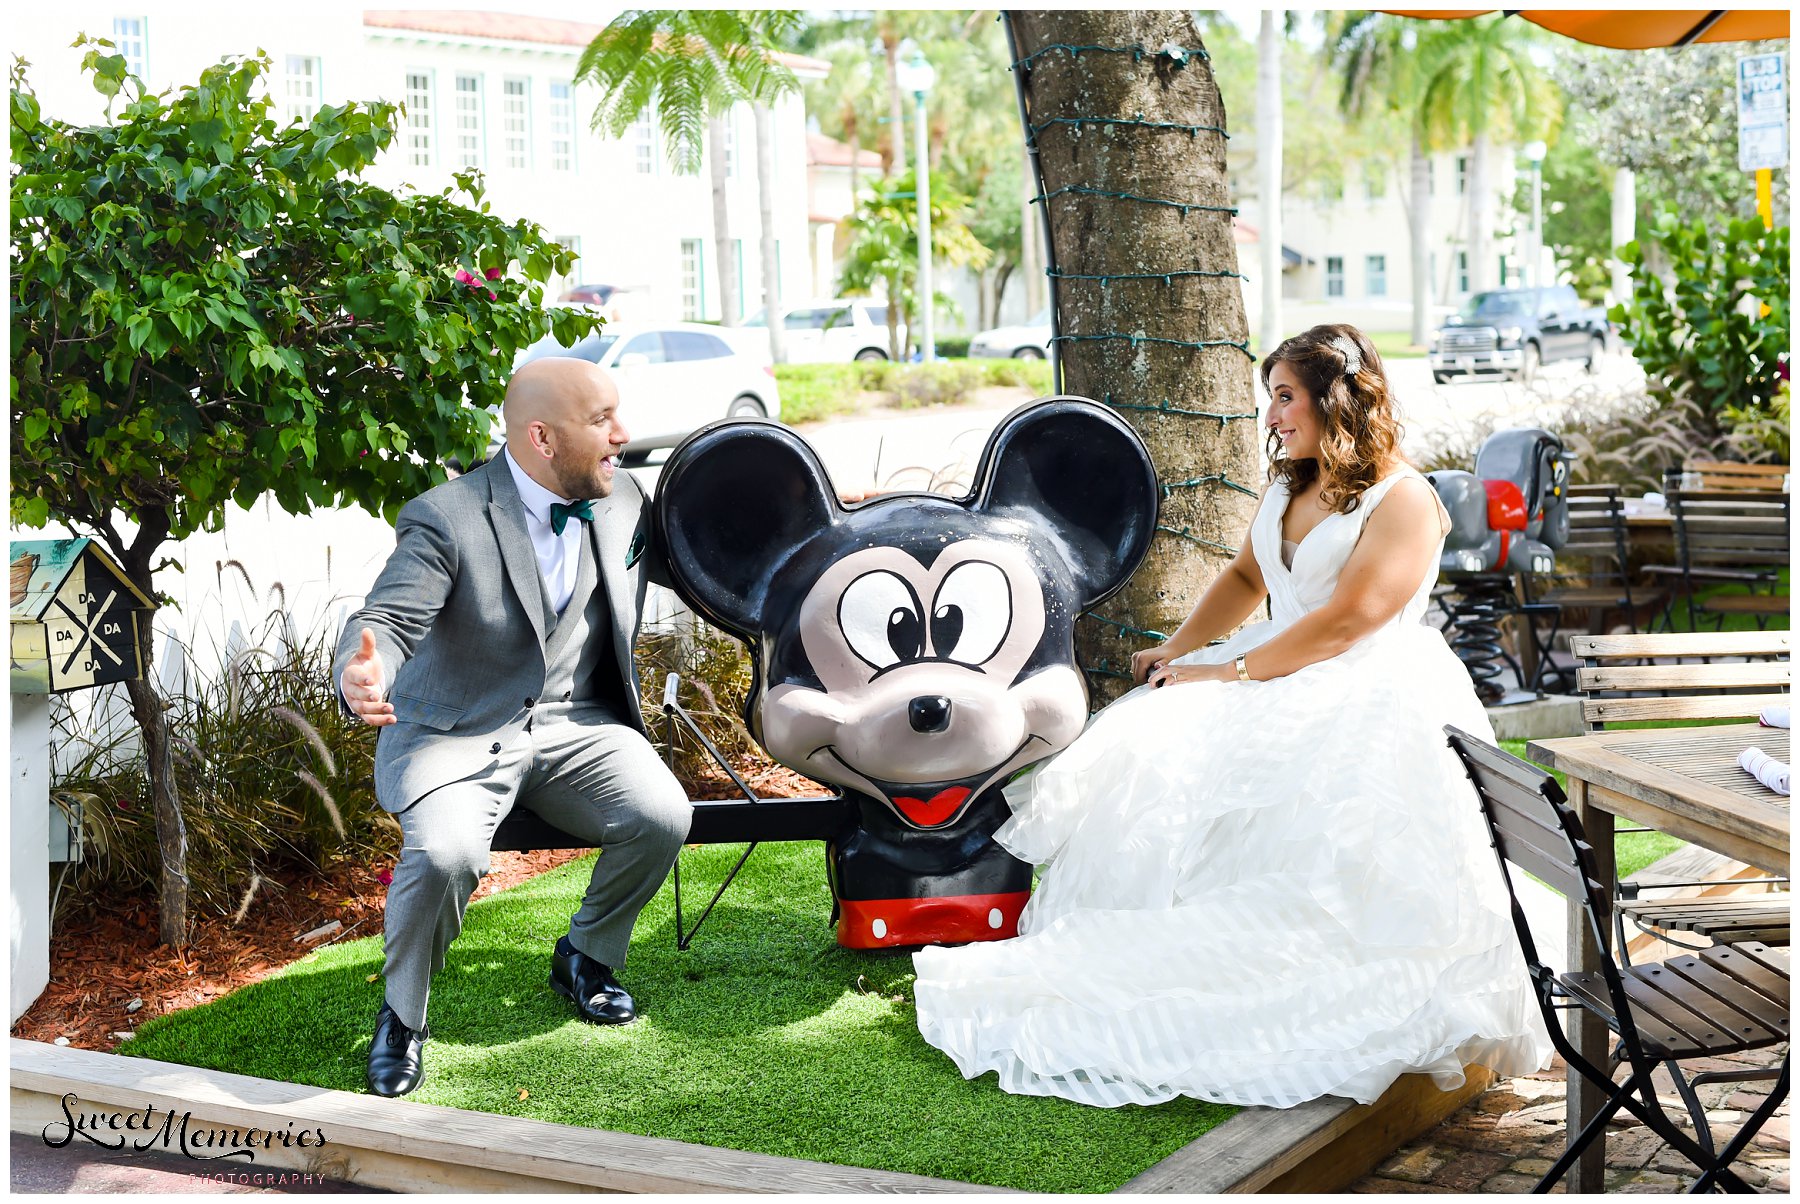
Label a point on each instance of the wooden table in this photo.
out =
(1683, 781)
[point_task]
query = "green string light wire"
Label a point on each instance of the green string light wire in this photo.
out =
(1103, 670)
(1165, 407)
(1158, 636)
(1184, 206)
(1165, 277)
(1215, 478)
(1181, 54)
(1135, 339)
(1192, 131)
(1188, 535)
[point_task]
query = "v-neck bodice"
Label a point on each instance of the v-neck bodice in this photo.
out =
(1306, 580)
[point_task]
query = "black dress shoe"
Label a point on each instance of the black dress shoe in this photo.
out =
(396, 1055)
(590, 985)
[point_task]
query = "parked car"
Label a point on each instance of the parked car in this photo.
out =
(673, 377)
(831, 331)
(1028, 342)
(1514, 330)
(614, 302)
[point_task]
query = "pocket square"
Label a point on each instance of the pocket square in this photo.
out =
(635, 552)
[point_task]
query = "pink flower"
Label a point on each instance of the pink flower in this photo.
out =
(463, 276)
(385, 877)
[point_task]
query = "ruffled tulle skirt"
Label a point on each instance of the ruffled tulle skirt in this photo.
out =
(1255, 893)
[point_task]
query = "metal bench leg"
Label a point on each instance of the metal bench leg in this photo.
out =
(1750, 1128)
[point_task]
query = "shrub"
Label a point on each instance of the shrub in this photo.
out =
(271, 773)
(1716, 330)
(716, 678)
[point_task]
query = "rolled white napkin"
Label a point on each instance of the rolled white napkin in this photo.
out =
(1775, 716)
(1765, 769)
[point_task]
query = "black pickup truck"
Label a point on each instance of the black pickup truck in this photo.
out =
(1513, 330)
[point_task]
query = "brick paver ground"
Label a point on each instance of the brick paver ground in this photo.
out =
(1506, 1138)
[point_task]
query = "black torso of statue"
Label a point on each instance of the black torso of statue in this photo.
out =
(915, 650)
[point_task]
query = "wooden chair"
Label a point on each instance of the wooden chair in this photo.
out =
(1592, 573)
(1725, 1000)
(1621, 682)
(1724, 474)
(1728, 536)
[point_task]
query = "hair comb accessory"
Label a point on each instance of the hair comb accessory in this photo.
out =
(1345, 346)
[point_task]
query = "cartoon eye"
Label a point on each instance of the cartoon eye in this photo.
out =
(972, 613)
(880, 618)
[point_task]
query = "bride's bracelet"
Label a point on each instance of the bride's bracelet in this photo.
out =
(1243, 666)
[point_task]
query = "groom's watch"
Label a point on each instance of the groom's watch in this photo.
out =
(1243, 666)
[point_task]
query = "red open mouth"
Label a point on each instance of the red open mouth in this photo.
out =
(929, 814)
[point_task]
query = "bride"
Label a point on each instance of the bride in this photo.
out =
(1266, 876)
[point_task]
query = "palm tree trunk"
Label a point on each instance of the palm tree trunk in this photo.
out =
(1097, 235)
(1480, 216)
(1418, 220)
(725, 253)
(896, 161)
(1268, 175)
(765, 199)
(855, 154)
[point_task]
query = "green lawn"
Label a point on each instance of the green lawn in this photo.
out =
(764, 1036)
(1684, 617)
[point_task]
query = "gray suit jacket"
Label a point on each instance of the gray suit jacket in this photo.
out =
(458, 617)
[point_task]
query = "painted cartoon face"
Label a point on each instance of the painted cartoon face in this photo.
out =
(914, 649)
(920, 699)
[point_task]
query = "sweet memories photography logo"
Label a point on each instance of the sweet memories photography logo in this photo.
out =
(153, 1128)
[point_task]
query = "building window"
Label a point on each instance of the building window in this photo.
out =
(562, 127)
(418, 118)
(643, 145)
(300, 87)
(1375, 180)
(515, 122)
(1462, 174)
(693, 283)
(1334, 275)
(1375, 275)
(468, 120)
(131, 36)
(1462, 271)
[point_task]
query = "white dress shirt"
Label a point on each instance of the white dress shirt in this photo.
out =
(558, 556)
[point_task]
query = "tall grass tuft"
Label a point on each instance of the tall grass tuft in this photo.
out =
(270, 770)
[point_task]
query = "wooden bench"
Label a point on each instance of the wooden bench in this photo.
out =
(1757, 676)
(1729, 536)
(1726, 474)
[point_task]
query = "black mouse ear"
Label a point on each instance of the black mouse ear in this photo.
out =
(1077, 465)
(733, 501)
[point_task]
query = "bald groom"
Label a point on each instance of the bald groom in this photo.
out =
(494, 652)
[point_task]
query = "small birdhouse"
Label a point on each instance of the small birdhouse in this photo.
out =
(75, 617)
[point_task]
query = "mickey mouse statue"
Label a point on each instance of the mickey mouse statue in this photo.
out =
(913, 649)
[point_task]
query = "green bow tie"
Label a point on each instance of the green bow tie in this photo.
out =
(561, 514)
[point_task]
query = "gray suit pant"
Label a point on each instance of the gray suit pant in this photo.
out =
(581, 770)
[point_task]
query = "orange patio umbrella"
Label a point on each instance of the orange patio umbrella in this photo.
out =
(1639, 30)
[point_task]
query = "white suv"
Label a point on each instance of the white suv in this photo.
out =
(832, 331)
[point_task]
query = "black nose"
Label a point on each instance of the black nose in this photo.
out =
(929, 714)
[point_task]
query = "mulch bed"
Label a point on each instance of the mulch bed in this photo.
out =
(105, 954)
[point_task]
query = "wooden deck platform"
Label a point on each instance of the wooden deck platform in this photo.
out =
(405, 1146)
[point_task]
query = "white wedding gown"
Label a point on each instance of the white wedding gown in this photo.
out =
(1255, 893)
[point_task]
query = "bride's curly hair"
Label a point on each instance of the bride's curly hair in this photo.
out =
(1359, 431)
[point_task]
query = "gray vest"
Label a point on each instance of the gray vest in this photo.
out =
(578, 655)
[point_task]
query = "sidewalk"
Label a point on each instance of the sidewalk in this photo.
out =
(1506, 1138)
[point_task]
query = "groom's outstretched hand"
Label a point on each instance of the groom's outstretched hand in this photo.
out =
(361, 684)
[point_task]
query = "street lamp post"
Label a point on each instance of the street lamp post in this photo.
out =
(916, 76)
(1534, 153)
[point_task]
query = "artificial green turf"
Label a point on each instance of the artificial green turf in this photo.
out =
(763, 1036)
